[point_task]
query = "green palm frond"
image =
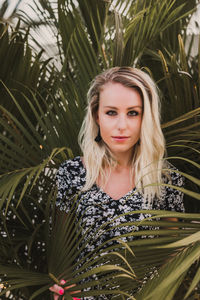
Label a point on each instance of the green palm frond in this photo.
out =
(42, 107)
(141, 25)
(38, 143)
(156, 17)
(115, 269)
(4, 8)
(173, 272)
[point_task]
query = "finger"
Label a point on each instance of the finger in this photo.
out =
(57, 289)
(73, 292)
(69, 286)
(55, 297)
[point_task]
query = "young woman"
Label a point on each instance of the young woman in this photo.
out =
(123, 149)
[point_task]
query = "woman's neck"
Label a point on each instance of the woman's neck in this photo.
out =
(123, 161)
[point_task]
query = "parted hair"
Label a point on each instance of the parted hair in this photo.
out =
(148, 153)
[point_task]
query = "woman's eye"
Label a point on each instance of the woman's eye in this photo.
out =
(133, 113)
(111, 113)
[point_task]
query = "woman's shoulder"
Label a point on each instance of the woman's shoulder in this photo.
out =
(70, 179)
(72, 166)
(73, 163)
(72, 171)
(171, 195)
(172, 176)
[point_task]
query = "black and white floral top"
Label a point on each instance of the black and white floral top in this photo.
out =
(96, 208)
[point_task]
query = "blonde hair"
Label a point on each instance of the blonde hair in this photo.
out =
(147, 161)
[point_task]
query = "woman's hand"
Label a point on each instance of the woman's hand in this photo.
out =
(59, 291)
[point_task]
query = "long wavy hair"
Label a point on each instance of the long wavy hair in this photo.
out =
(148, 153)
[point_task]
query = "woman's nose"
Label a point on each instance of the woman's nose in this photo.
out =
(122, 122)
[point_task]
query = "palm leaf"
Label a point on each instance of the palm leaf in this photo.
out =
(172, 273)
(38, 134)
(113, 266)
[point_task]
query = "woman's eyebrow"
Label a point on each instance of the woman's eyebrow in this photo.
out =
(132, 107)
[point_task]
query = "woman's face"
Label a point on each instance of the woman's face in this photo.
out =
(119, 117)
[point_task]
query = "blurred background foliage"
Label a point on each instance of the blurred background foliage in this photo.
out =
(47, 62)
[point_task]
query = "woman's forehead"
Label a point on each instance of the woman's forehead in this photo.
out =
(116, 94)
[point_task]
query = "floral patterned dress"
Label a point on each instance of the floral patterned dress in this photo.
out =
(96, 208)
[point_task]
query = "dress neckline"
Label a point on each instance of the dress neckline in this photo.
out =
(111, 198)
(133, 190)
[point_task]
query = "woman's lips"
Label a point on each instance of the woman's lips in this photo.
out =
(120, 138)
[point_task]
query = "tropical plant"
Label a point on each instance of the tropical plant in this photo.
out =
(7, 14)
(39, 127)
